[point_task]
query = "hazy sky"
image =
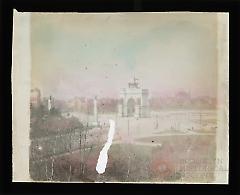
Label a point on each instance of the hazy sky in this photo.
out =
(97, 54)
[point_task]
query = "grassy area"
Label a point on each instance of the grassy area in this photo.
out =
(184, 158)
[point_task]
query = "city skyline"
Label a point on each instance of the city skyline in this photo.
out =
(160, 95)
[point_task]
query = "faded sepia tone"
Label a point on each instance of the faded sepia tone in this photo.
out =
(162, 78)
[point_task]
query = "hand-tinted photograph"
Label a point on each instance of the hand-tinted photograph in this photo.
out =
(120, 97)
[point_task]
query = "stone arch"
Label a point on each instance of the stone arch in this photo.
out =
(131, 103)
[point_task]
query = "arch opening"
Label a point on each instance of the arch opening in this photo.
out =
(131, 107)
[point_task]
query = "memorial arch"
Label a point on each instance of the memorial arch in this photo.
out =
(134, 101)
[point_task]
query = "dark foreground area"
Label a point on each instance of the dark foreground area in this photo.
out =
(175, 158)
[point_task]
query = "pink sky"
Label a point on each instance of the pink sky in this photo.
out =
(97, 54)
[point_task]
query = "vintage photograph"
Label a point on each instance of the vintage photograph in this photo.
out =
(120, 97)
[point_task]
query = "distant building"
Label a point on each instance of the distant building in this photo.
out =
(134, 101)
(205, 102)
(35, 98)
(182, 98)
(77, 104)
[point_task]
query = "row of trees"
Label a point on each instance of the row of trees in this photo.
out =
(110, 105)
(85, 105)
(182, 103)
(52, 136)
